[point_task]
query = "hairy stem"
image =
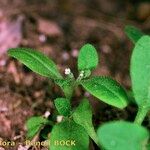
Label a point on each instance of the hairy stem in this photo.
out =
(142, 111)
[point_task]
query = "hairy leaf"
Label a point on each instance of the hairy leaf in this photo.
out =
(121, 135)
(68, 131)
(36, 61)
(66, 85)
(133, 33)
(107, 90)
(83, 117)
(34, 124)
(140, 71)
(63, 106)
(88, 58)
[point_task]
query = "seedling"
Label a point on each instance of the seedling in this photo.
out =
(74, 130)
(121, 135)
(77, 123)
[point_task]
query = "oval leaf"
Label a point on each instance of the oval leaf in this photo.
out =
(63, 106)
(36, 61)
(88, 58)
(121, 135)
(107, 90)
(67, 86)
(83, 117)
(140, 71)
(68, 131)
(34, 124)
(133, 33)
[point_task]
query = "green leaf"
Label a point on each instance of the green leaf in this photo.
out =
(140, 71)
(133, 33)
(88, 58)
(107, 90)
(68, 131)
(45, 132)
(131, 96)
(34, 124)
(83, 117)
(36, 61)
(66, 85)
(148, 146)
(121, 135)
(63, 106)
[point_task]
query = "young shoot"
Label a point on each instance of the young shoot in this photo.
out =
(73, 124)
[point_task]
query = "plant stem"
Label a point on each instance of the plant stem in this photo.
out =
(142, 111)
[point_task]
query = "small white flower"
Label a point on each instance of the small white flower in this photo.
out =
(81, 74)
(59, 118)
(67, 71)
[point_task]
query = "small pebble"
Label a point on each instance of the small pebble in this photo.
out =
(65, 56)
(47, 114)
(3, 109)
(42, 38)
(86, 94)
(74, 53)
(22, 147)
(2, 62)
(106, 49)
